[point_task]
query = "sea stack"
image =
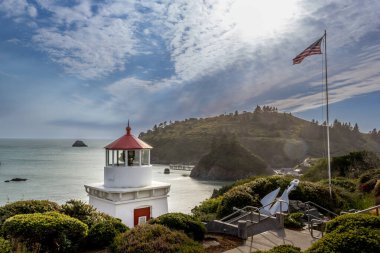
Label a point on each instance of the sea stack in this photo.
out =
(229, 161)
(128, 192)
(79, 143)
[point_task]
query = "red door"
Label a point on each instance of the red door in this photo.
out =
(141, 215)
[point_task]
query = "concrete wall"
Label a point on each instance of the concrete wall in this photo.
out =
(127, 176)
(124, 210)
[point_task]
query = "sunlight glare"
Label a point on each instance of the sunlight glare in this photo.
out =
(262, 18)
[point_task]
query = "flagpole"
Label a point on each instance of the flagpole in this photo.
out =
(327, 119)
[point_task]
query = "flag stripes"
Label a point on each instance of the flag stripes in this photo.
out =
(313, 49)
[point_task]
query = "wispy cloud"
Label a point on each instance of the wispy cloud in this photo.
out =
(360, 78)
(89, 45)
(175, 59)
(14, 8)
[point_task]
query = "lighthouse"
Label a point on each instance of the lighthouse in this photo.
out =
(128, 192)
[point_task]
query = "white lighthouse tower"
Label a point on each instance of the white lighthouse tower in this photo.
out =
(128, 191)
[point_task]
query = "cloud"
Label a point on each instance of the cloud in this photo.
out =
(14, 41)
(208, 37)
(176, 59)
(32, 11)
(13, 8)
(360, 78)
(89, 45)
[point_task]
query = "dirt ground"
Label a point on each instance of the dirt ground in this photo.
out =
(216, 243)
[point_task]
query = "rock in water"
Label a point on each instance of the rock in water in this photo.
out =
(229, 161)
(79, 143)
(16, 179)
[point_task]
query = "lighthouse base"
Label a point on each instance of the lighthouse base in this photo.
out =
(133, 206)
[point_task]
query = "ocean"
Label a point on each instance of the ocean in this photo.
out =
(57, 171)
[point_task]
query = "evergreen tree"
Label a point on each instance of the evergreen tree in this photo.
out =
(356, 128)
(257, 109)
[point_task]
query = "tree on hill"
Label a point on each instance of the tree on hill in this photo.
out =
(273, 136)
(351, 165)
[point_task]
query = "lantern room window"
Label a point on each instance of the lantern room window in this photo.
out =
(145, 157)
(127, 157)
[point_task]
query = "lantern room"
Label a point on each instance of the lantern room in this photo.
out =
(127, 162)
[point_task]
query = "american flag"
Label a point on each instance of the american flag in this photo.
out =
(313, 49)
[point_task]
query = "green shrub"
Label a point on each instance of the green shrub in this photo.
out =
(102, 227)
(376, 190)
(294, 220)
(345, 183)
(219, 192)
(5, 246)
(26, 207)
(206, 211)
(367, 181)
(236, 197)
(155, 239)
(368, 186)
(362, 200)
(182, 222)
(53, 231)
(349, 241)
(249, 193)
(264, 185)
(368, 175)
(352, 165)
(316, 172)
(305, 191)
(102, 234)
(346, 222)
(82, 211)
(320, 194)
(286, 248)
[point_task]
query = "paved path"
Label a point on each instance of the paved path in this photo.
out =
(270, 239)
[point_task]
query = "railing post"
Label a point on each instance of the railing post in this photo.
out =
(281, 219)
(242, 229)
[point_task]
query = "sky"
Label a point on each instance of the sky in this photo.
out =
(82, 69)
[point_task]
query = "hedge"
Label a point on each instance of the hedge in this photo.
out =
(361, 240)
(346, 222)
(286, 248)
(345, 183)
(206, 210)
(102, 235)
(155, 239)
(5, 246)
(82, 211)
(320, 194)
(182, 222)
(54, 231)
(27, 207)
(236, 197)
(294, 220)
(264, 185)
(250, 193)
(376, 190)
(102, 227)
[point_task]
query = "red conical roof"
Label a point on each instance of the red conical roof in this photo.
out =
(127, 142)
